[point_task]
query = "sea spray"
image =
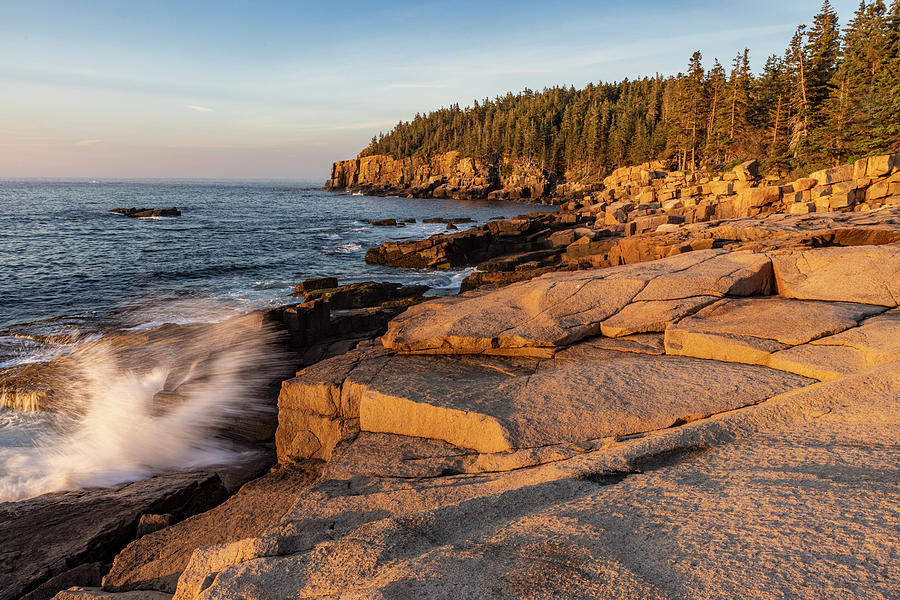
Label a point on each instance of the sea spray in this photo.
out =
(133, 406)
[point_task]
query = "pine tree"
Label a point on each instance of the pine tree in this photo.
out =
(796, 69)
(715, 83)
(884, 113)
(822, 50)
(832, 96)
(738, 92)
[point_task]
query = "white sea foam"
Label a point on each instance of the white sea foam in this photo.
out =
(348, 248)
(113, 427)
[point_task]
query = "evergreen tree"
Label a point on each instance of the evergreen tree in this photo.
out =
(832, 96)
(822, 51)
(796, 69)
(714, 145)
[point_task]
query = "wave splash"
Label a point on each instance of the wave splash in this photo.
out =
(130, 411)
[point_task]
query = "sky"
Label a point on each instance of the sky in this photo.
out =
(278, 89)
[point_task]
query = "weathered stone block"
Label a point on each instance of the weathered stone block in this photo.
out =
(799, 208)
(879, 189)
(864, 274)
(879, 166)
(806, 183)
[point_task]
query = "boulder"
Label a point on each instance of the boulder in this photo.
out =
(750, 330)
(866, 274)
(317, 283)
(383, 223)
(747, 170)
(804, 183)
(499, 404)
(150, 523)
(364, 294)
(879, 166)
(874, 342)
(561, 308)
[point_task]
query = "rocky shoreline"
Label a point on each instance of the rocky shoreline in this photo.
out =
(331, 320)
(676, 386)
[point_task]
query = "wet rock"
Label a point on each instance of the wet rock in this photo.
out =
(459, 248)
(150, 523)
(91, 525)
(448, 221)
(30, 387)
(95, 593)
(317, 283)
(143, 213)
(365, 294)
(383, 223)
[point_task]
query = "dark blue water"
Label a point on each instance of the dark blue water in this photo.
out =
(67, 264)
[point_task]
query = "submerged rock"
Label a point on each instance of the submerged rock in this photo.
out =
(143, 213)
(448, 221)
(385, 223)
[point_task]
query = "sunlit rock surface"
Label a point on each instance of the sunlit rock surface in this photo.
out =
(717, 424)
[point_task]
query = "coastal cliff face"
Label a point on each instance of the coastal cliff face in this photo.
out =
(651, 186)
(446, 175)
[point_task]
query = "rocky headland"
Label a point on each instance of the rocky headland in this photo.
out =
(679, 385)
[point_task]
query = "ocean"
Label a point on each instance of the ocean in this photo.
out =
(70, 271)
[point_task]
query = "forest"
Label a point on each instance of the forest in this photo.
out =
(831, 97)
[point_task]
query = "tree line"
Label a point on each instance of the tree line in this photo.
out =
(832, 96)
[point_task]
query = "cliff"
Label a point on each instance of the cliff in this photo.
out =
(446, 175)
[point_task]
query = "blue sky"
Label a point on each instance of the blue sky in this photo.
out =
(282, 89)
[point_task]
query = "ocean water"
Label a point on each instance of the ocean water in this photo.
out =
(70, 270)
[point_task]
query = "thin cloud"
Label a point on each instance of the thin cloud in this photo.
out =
(417, 86)
(370, 125)
(87, 142)
(200, 108)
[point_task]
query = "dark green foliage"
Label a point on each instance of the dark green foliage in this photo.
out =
(833, 96)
